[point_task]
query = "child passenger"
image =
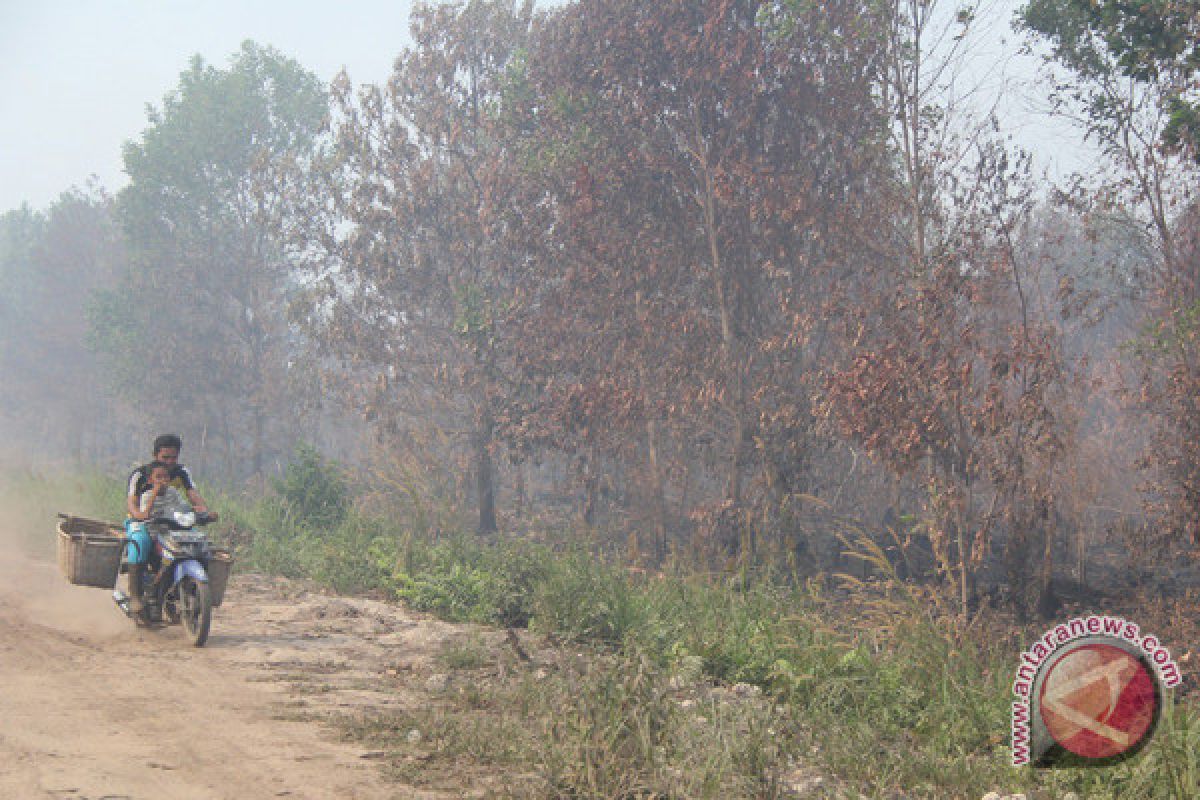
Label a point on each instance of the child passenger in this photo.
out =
(161, 499)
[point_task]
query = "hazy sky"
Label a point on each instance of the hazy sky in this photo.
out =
(76, 75)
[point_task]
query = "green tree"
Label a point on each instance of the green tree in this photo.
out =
(1154, 43)
(196, 328)
(21, 230)
(1130, 85)
(314, 488)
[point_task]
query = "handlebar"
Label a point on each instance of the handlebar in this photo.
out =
(203, 518)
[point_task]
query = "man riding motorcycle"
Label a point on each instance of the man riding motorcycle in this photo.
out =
(139, 544)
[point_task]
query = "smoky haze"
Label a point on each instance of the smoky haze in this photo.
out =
(76, 77)
(711, 277)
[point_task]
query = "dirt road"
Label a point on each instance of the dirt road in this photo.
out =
(91, 707)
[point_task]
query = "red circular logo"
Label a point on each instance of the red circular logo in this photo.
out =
(1099, 700)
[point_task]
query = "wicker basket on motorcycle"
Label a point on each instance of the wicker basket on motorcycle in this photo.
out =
(219, 567)
(89, 551)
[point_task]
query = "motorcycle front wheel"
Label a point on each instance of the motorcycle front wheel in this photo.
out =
(195, 607)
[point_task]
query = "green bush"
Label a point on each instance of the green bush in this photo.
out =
(587, 600)
(315, 488)
(470, 581)
(264, 535)
(521, 568)
(739, 634)
(357, 555)
(457, 592)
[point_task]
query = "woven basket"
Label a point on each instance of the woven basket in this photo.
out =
(219, 567)
(89, 551)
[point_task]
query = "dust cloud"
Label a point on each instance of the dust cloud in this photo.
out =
(29, 573)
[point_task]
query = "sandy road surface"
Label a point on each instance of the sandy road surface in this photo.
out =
(91, 707)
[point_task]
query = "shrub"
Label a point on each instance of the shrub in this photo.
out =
(314, 488)
(356, 556)
(455, 592)
(588, 600)
(264, 535)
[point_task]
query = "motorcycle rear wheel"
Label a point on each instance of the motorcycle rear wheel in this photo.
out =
(195, 607)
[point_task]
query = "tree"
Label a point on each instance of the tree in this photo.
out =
(1132, 87)
(958, 382)
(198, 321)
(55, 398)
(409, 272)
(21, 231)
(704, 172)
(1153, 44)
(1169, 353)
(1128, 88)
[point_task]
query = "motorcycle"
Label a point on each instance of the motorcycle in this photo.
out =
(178, 590)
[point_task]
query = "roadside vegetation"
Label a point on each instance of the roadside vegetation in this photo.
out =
(673, 682)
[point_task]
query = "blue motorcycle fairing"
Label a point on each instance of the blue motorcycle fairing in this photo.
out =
(138, 544)
(190, 568)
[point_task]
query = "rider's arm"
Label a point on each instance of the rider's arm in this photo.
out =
(197, 501)
(189, 487)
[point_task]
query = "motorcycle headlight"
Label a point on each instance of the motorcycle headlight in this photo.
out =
(185, 519)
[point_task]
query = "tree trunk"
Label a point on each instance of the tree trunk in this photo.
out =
(745, 530)
(591, 490)
(257, 457)
(520, 500)
(484, 475)
(658, 492)
(1047, 603)
(730, 350)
